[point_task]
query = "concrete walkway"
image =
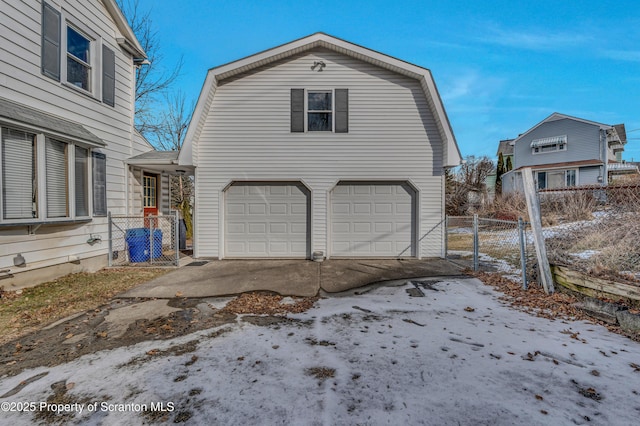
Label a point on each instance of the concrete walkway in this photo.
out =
(286, 277)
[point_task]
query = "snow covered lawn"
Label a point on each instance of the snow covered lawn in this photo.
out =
(456, 356)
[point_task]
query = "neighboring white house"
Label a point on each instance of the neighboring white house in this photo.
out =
(67, 84)
(565, 151)
(319, 145)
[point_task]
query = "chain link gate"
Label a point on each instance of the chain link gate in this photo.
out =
(503, 243)
(144, 241)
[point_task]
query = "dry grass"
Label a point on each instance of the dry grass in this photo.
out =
(29, 309)
(507, 207)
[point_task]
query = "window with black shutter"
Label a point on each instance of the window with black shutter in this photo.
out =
(320, 110)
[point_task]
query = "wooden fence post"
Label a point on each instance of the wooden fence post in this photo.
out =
(533, 207)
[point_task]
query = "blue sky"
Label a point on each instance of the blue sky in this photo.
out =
(500, 66)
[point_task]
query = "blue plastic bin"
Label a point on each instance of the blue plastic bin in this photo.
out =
(138, 244)
(157, 243)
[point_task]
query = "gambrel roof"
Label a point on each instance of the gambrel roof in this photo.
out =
(451, 151)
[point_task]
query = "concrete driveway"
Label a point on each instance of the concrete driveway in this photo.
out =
(286, 277)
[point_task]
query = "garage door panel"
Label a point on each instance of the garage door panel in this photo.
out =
(384, 227)
(372, 219)
(277, 209)
(340, 208)
(298, 208)
(383, 208)
(361, 208)
(402, 208)
(384, 190)
(236, 228)
(362, 227)
(361, 190)
(266, 220)
(235, 208)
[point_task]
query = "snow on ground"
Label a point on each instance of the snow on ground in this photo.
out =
(457, 356)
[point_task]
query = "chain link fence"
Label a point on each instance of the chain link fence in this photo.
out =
(492, 244)
(595, 230)
(143, 241)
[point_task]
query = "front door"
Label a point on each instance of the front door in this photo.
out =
(149, 196)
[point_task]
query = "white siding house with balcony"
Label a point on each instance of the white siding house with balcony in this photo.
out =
(565, 151)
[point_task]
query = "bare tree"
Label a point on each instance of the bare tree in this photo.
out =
(152, 80)
(169, 133)
(465, 186)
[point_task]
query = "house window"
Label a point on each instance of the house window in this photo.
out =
(78, 59)
(81, 179)
(46, 179)
(19, 175)
(149, 185)
(99, 172)
(319, 111)
(72, 55)
(552, 144)
(556, 179)
(57, 178)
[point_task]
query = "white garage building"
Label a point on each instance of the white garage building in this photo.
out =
(319, 145)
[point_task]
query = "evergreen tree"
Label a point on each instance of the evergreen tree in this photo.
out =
(499, 172)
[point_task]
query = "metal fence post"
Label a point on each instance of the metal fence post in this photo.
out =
(151, 239)
(476, 243)
(446, 236)
(176, 236)
(523, 254)
(109, 235)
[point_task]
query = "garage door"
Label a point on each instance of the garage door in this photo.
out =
(267, 220)
(372, 219)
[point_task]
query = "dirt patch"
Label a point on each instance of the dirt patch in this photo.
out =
(88, 333)
(26, 310)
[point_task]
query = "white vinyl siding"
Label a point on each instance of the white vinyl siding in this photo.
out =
(392, 135)
(18, 175)
(25, 82)
(582, 143)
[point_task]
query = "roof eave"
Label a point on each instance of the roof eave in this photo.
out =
(129, 42)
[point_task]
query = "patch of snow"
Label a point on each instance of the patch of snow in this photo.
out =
(587, 254)
(459, 355)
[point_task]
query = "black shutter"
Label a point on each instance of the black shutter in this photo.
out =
(342, 110)
(99, 169)
(108, 76)
(50, 42)
(297, 110)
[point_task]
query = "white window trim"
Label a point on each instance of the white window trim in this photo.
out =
(95, 57)
(560, 143)
(306, 110)
(42, 182)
